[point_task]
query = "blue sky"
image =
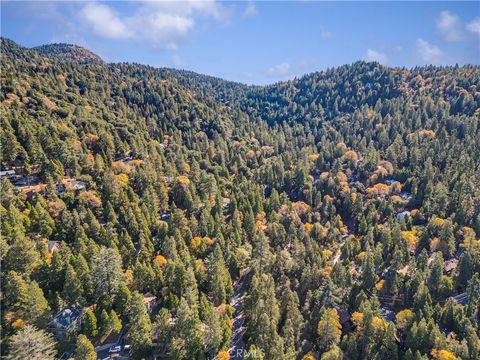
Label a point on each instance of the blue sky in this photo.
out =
(254, 42)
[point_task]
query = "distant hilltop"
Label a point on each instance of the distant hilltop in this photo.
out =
(69, 52)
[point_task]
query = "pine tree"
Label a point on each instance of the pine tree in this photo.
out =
(464, 268)
(162, 326)
(389, 348)
(72, 288)
(84, 349)
(139, 333)
(163, 196)
(31, 343)
(107, 273)
(122, 298)
(27, 299)
(329, 329)
(329, 294)
(368, 275)
(104, 328)
(115, 322)
(90, 328)
(188, 330)
(436, 273)
(22, 256)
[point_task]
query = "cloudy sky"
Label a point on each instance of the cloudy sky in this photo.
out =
(254, 42)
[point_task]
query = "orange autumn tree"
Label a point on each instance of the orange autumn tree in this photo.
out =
(160, 260)
(351, 156)
(223, 355)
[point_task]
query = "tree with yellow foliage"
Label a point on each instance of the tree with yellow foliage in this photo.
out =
(123, 179)
(404, 319)
(223, 355)
(443, 355)
(160, 260)
(329, 329)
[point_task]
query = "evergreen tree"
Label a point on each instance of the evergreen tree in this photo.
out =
(329, 330)
(32, 343)
(72, 288)
(107, 274)
(104, 324)
(139, 333)
(89, 327)
(115, 322)
(369, 277)
(389, 349)
(84, 349)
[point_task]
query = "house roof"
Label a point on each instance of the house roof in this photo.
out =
(406, 195)
(66, 317)
(148, 297)
(79, 185)
(53, 245)
(33, 188)
(402, 214)
(404, 270)
(72, 184)
(450, 265)
(7, 173)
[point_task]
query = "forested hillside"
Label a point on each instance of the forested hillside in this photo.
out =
(165, 213)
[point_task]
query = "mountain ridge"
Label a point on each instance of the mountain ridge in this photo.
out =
(68, 52)
(73, 52)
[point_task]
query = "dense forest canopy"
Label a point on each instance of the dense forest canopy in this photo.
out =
(334, 216)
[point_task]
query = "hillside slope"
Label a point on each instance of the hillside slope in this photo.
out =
(68, 52)
(135, 201)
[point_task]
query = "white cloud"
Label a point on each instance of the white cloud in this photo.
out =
(428, 52)
(104, 21)
(373, 55)
(189, 8)
(250, 10)
(325, 34)
(160, 29)
(474, 26)
(163, 24)
(448, 25)
(279, 71)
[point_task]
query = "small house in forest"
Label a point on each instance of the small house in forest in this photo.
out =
(79, 185)
(69, 184)
(150, 301)
(53, 246)
(7, 173)
(24, 181)
(68, 320)
(402, 214)
(450, 265)
(225, 202)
